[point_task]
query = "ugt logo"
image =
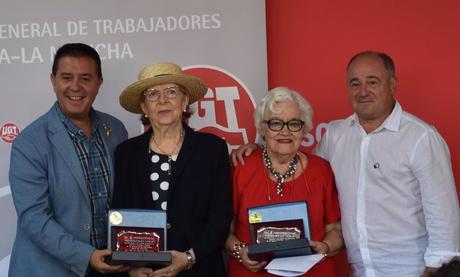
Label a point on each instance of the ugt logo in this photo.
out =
(9, 131)
(227, 108)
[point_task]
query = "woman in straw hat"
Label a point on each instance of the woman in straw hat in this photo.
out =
(175, 169)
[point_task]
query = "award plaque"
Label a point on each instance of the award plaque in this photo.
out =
(137, 237)
(279, 230)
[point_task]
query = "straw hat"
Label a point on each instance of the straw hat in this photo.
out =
(156, 74)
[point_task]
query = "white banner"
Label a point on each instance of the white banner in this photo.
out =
(223, 42)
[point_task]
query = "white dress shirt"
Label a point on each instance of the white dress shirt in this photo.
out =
(397, 194)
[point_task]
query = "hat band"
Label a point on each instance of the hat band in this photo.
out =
(162, 74)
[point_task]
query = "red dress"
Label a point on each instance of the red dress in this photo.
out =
(252, 187)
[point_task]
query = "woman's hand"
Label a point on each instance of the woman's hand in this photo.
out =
(140, 272)
(320, 247)
(178, 264)
(252, 265)
(239, 251)
(332, 242)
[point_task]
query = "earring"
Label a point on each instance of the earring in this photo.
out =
(145, 116)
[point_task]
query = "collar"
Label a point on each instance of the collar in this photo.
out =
(391, 123)
(72, 128)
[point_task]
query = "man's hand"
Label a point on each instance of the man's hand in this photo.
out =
(97, 262)
(428, 272)
(243, 151)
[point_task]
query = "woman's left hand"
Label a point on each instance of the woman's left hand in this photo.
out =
(178, 264)
(319, 247)
(332, 242)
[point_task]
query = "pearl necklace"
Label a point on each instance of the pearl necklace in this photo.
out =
(172, 152)
(280, 178)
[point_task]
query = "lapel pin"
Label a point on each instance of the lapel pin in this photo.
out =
(108, 131)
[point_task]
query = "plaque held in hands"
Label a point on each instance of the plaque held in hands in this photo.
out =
(279, 230)
(137, 237)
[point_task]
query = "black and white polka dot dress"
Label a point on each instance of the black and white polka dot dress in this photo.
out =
(160, 177)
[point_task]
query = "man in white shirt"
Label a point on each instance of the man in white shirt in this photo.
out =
(399, 206)
(398, 202)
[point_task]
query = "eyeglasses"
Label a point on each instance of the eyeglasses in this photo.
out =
(153, 95)
(293, 125)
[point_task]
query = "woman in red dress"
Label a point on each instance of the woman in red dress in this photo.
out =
(280, 173)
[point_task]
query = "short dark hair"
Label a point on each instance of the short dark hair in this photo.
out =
(386, 60)
(77, 50)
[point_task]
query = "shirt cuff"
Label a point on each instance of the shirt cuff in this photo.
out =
(438, 258)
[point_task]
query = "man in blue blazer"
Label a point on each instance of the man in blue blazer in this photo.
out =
(61, 175)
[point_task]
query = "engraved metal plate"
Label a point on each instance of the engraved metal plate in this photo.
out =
(274, 234)
(132, 241)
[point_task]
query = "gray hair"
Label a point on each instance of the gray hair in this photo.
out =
(280, 94)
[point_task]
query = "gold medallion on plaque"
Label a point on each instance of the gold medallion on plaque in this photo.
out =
(116, 218)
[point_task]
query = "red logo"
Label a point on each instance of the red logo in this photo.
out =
(9, 132)
(227, 108)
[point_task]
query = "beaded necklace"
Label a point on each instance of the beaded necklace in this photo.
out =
(280, 178)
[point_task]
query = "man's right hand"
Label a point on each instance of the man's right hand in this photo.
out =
(243, 151)
(97, 262)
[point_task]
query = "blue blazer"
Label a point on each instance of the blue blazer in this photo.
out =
(51, 198)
